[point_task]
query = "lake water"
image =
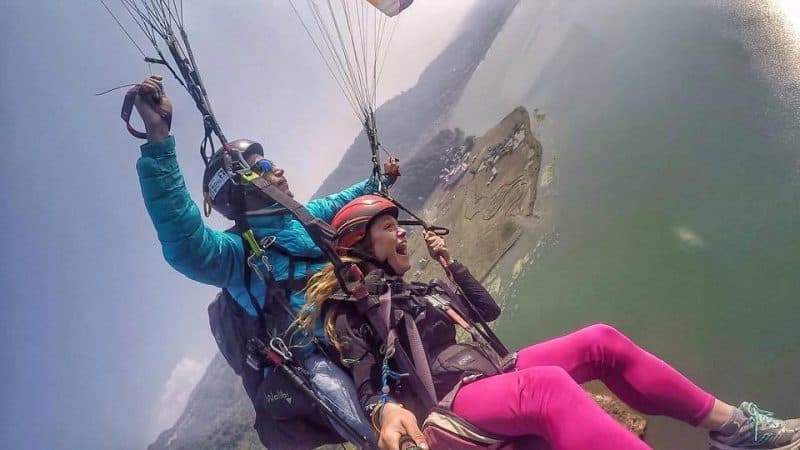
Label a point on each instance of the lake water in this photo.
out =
(675, 124)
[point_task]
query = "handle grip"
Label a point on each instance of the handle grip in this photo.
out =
(127, 110)
(406, 443)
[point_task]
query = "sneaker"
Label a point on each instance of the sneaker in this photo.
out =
(761, 430)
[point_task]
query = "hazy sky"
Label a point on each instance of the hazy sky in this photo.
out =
(97, 330)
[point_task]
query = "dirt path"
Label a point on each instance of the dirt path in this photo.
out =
(486, 209)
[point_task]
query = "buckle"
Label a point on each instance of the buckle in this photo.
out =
(438, 301)
(255, 354)
(258, 260)
(261, 355)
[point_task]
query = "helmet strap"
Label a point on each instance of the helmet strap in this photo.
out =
(371, 259)
(271, 210)
(255, 200)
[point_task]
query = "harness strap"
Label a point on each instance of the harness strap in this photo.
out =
(291, 272)
(379, 317)
(322, 234)
(301, 258)
(480, 326)
(272, 286)
(262, 321)
(419, 356)
(293, 285)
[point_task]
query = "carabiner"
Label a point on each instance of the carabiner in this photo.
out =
(260, 265)
(278, 346)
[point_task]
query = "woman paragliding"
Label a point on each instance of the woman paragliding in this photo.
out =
(531, 399)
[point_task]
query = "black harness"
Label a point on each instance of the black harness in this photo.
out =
(385, 317)
(253, 344)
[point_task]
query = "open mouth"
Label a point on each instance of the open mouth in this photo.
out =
(402, 248)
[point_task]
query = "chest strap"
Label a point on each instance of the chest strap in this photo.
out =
(419, 356)
(379, 315)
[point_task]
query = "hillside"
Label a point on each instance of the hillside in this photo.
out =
(409, 120)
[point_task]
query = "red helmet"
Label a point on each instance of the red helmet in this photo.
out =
(353, 219)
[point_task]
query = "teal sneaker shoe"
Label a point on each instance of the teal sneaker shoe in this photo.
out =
(759, 430)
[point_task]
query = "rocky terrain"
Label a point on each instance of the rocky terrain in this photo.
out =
(494, 192)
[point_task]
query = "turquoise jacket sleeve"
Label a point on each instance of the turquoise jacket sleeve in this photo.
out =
(193, 249)
(325, 207)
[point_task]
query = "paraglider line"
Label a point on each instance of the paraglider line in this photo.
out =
(339, 82)
(122, 28)
(115, 88)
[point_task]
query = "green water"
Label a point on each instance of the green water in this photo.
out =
(678, 206)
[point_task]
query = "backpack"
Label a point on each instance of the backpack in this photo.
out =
(279, 424)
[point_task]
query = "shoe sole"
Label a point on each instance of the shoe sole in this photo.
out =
(719, 446)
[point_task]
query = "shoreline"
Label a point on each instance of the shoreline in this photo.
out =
(537, 232)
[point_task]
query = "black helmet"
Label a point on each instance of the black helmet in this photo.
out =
(218, 188)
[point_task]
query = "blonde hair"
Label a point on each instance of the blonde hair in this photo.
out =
(320, 287)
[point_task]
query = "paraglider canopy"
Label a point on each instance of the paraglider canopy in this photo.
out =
(391, 7)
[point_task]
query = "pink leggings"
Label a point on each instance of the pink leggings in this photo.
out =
(542, 395)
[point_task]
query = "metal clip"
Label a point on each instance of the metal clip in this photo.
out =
(266, 241)
(438, 301)
(260, 265)
(442, 303)
(258, 260)
(278, 346)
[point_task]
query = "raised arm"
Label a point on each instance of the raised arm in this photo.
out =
(325, 207)
(193, 249)
(188, 245)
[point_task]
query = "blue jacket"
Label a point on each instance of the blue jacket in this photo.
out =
(216, 257)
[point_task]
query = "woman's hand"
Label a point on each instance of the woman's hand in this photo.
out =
(397, 421)
(391, 168)
(436, 245)
(150, 98)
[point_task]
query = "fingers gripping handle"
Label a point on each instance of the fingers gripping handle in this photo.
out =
(439, 231)
(407, 443)
(127, 110)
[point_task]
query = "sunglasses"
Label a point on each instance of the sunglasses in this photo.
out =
(261, 166)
